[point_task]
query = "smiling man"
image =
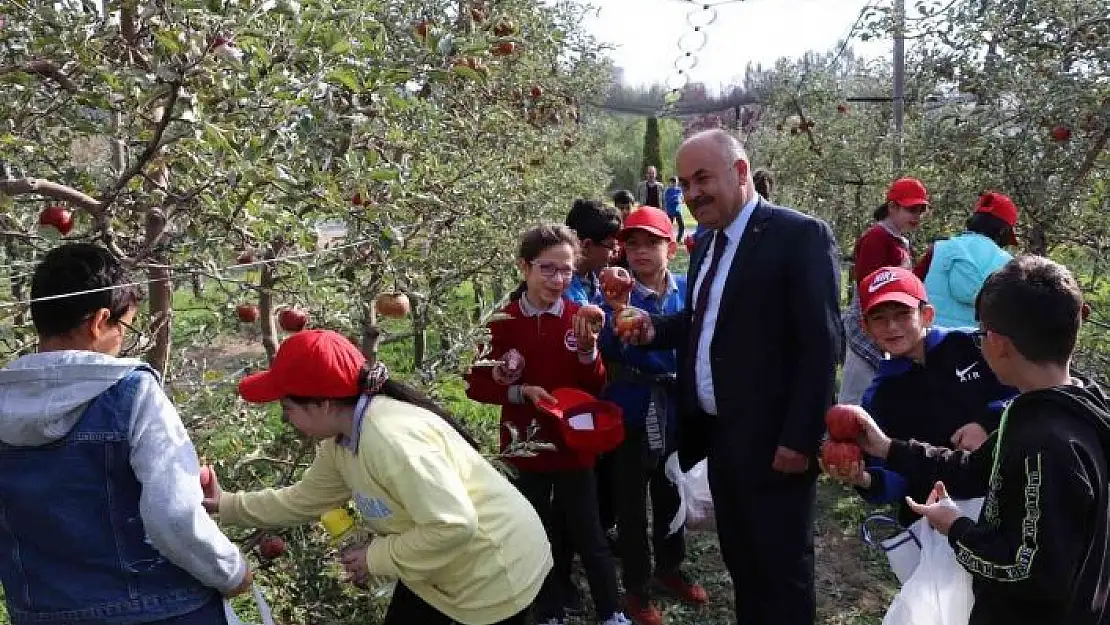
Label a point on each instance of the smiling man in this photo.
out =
(758, 343)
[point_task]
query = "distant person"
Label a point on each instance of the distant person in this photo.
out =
(955, 269)
(650, 190)
(625, 202)
(764, 182)
(672, 197)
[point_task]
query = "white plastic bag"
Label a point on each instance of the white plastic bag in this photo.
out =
(696, 508)
(903, 549)
(939, 590)
(263, 610)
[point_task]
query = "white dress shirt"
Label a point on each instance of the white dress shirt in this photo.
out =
(703, 369)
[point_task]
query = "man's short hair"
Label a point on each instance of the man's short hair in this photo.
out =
(1037, 304)
(76, 268)
(593, 221)
(624, 197)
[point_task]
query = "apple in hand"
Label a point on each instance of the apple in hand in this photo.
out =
(271, 547)
(510, 368)
(205, 476)
(58, 218)
(593, 315)
(292, 319)
(843, 422)
(616, 284)
(840, 454)
(247, 313)
(629, 319)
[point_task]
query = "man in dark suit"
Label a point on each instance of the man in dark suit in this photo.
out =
(758, 344)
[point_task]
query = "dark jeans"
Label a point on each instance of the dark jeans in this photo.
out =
(605, 472)
(407, 609)
(637, 476)
(680, 224)
(570, 498)
(212, 613)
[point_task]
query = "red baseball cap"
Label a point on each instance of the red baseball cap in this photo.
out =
(891, 284)
(1002, 207)
(310, 363)
(907, 192)
(650, 219)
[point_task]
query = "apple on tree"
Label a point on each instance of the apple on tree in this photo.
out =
(292, 319)
(226, 50)
(505, 48)
(58, 218)
(271, 547)
(393, 305)
(247, 313)
(1060, 133)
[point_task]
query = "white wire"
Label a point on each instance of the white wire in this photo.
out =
(181, 273)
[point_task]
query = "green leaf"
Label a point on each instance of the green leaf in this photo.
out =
(345, 77)
(384, 174)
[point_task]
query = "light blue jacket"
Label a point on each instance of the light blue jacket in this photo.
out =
(959, 267)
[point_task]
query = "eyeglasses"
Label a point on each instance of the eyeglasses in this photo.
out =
(135, 342)
(550, 270)
(916, 211)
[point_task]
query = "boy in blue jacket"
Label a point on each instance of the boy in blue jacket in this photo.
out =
(643, 384)
(934, 386)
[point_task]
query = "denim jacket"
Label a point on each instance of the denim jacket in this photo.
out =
(73, 545)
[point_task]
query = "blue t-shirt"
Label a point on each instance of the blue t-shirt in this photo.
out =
(584, 290)
(672, 199)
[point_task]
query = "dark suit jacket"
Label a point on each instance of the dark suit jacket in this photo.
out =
(775, 347)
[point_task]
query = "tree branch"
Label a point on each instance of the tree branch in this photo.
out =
(44, 68)
(22, 186)
(155, 142)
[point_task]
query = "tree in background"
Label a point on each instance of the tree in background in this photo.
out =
(653, 150)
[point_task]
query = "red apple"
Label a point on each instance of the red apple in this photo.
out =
(504, 28)
(57, 217)
(477, 15)
(629, 319)
(1061, 133)
(843, 422)
(616, 284)
(247, 313)
(271, 547)
(292, 319)
(840, 454)
(537, 92)
(205, 476)
(842, 108)
(394, 305)
(421, 28)
(357, 199)
(245, 258)
(505, 48)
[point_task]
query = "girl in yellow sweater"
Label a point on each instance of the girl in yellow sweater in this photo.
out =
(464, 544)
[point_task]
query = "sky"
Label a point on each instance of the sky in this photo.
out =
(646, 35)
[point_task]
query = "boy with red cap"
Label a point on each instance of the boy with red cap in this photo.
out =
(955, 269)
(643, 384)
(934, 386)
(884, 244)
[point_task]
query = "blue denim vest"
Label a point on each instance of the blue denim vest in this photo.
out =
(73, 549)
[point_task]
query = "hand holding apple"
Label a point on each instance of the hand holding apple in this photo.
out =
(588, 322)
(510, 369)
(616, 286)
(634, 326)
(210, 486)
(844, 463)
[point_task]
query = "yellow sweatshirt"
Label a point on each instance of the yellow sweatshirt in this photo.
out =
(446, 522)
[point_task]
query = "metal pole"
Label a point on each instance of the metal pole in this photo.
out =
(899, 80)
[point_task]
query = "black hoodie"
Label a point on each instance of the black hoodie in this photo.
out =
(1039, 553)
